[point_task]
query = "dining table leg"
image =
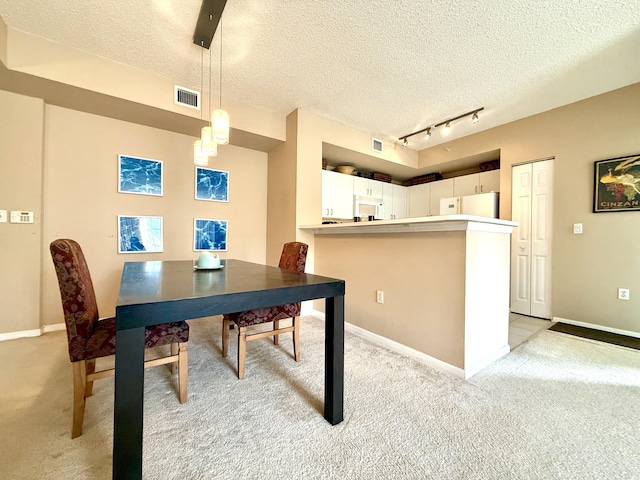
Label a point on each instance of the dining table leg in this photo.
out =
(334, 360)
(128, 404)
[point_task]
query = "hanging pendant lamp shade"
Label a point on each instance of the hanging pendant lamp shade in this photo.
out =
(209, 145)
(220, 122)
(199, 157)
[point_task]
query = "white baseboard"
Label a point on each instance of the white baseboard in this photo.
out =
(31, 333)
(486, 361)
(402, 349)
(602, 328)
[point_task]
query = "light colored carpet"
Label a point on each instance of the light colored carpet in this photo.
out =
(556, 407)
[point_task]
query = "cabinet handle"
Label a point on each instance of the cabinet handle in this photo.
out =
(476, 187)
(480, 188)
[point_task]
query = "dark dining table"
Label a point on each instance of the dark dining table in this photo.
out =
(155, 292)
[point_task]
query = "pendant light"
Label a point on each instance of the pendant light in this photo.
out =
(220, 118)
(200, 158)
(209, 145)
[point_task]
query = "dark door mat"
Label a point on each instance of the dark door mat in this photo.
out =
(608, 337)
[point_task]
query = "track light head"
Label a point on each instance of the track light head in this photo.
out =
(447, 128)
(475, 118)
(427, 135)
(405, 142)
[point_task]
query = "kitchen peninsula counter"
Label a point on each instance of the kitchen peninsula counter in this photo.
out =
(445, 283)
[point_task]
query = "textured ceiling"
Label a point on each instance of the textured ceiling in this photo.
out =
(385, 67)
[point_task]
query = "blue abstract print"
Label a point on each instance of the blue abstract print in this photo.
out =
(210, 234)
(212, 185)
(139, 175)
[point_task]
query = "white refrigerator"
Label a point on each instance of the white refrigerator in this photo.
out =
(481, 205)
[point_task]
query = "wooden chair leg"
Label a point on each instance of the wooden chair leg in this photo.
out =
(226, 326)
(175, 350)
(91, 367)
(242, 350)
(296, 338)
(276, 326)
(79, 396)
(183, 370)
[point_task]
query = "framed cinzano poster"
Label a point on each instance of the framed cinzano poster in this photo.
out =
(139, 234)
(141, 176)
(209, 234)
(617, 185)
(212, 185)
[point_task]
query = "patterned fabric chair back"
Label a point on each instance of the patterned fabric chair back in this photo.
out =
(294, 256)
(78, 297)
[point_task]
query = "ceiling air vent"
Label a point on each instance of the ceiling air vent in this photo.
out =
(376, 145)
(185, 97)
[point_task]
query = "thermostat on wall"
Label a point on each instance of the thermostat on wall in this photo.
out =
(18, 216)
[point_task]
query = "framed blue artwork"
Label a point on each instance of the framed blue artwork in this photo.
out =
(139, 234)
(212, 185)
(209, 234)
(141, 176)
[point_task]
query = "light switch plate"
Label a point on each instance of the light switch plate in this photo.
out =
(3, 216)
(18, 216)
(577, 228)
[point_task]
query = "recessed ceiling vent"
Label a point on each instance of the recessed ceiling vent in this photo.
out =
(186, 98)
(376, 145)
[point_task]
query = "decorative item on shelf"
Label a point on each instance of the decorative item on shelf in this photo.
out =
(429, 177)
(368, 175)
(324, 164)
(346, 169)
(490, 165)
(382, 177)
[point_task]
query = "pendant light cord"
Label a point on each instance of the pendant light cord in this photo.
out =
(201, 75)
(220, 64)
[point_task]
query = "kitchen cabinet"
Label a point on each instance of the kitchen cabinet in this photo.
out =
(438, 190)
(418, 200)
(482, 182)
(337, 195)
(367, 187)
(394, 203)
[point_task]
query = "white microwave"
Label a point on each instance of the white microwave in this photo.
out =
(367, 206)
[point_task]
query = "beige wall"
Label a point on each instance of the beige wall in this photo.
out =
(423, 279)
(21, 144)
(588, 268)
(77, 189)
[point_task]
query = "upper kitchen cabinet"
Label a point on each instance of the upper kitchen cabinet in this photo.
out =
(394, 201)
(482, 182)
(439, 189)
(418, 200)
(337, 195)
(367, 187)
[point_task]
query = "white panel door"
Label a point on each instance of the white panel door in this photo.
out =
(541, 231)
(532, 208)
(521, 239)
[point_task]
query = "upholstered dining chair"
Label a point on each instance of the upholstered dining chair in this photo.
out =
(294, 257)
(91, 337)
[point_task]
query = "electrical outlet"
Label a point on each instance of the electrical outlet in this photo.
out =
(577, 228)
(623, 294)
(379, 296)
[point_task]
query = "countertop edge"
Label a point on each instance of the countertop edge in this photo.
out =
(418, 224)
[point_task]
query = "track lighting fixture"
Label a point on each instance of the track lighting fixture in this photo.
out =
(445, 123)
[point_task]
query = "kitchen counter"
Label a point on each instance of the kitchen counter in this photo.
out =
(444, 284)
(417, 224)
